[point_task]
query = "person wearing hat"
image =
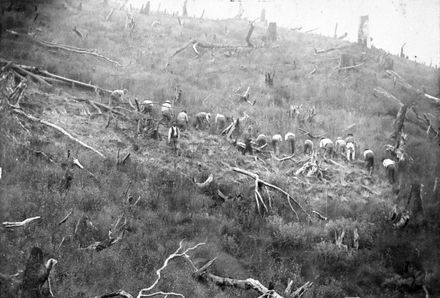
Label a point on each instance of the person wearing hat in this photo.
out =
(248, 142)
(390, 168)
(276, 141)
(291, 138)
(166, 110)
(308, 146)
(326, 146)
(202, 120)
(369, 160)
(174, 136)
(182, 120)
(350, 147)
(340, 146)
(147, 107)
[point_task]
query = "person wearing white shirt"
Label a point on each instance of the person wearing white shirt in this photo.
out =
(291, 138)
(390, 168)
(369, 160)
(182, 120)
(326, 145)
(340, 146)
(203, 120)
(308, 146)
(276, 140)
(166, 110)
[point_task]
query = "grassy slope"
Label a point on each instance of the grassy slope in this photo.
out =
(171, 208)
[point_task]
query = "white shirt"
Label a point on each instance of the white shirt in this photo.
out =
(117, 93)
(368, 152)
(341, 143)
(325, 142)
(261, 137)
(182, 117)
(219, 117)
(289, 135)
(166, 107)
(177, 131)
(277, 138)
(350, 146)
(387, 162)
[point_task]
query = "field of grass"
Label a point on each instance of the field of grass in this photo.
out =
(272, 247)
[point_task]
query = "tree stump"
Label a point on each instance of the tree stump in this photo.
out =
(271, 34)
(364, 31)
(263, 15)
(147, 9)
(347, 60)
(386, 62)
(184, 10)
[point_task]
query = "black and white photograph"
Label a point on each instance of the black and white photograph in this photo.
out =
(219, 148)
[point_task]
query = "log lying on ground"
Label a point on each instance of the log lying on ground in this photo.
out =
(65, 218)
(323, 51)
(207, 182)
(399, 79)
(101, 105)
(425, 123)
(398, 125)
(246, 284)
(25, 72)
(386, 94)
(62, 130)
(68, 48)
(313, 136)
(258, 181)
(176, 254)
(19, 224)
(120, 293)
(350, 67)
(46, 74)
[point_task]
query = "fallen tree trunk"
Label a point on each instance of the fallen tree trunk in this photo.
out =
(45, 73)
(398, 126)
(62, 130)
(19, 224)
(386, 94)
(350, 67)
(247, 284)
(57, 46)
(249, 34)
(399, 79)
(25, 72)
(323, 51)
(257, 179)
(120, 293)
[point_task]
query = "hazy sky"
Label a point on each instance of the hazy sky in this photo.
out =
(392, 22)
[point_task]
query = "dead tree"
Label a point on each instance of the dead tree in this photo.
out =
(147, 9)
(249, 34)
(335, 35)
(249, 283)
(398, 126)
(268, 78)
(402, 54)
(363, 32)
(263, 15)
(107, 18)
(77, 32)
(259, 199)
(347, 62)
(184, 10)
(271, 33)
(414, 203)
(386, 62)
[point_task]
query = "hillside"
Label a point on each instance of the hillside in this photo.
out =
(152, 196)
